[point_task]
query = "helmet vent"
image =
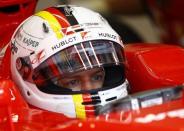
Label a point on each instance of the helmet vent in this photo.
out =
(28, 93)
(91, 102)
(110, 99)
(95, 100)
(45, 28)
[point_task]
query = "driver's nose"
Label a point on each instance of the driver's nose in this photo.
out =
(86, 83)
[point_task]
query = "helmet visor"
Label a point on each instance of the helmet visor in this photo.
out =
(87, 58)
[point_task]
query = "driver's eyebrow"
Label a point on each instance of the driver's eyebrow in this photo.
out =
(78, 75)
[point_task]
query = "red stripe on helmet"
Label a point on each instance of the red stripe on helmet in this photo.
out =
(89, 108)
(60, 17)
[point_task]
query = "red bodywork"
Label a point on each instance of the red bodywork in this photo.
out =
(12, 12)
(149, 66)
(153, 66)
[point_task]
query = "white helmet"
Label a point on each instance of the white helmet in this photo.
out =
(58, 43)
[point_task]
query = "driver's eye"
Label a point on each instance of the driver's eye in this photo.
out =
(73, 83)
(97, 77)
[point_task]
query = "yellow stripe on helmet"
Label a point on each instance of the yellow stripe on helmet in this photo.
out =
(53, 22)
(79, 108)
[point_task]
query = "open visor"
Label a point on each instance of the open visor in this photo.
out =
(76, 58)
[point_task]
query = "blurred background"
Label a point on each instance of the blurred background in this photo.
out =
(148, 21)
(128, 20)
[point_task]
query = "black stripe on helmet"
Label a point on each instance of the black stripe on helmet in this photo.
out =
(68, 12)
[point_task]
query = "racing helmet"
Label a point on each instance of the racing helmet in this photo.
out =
(66, 41)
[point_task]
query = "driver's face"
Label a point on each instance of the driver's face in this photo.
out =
(85, 80)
